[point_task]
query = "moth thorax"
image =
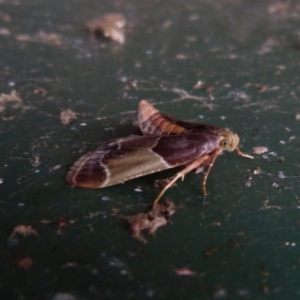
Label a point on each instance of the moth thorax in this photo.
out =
(229, 140)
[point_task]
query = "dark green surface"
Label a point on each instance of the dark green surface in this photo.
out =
(238, 47)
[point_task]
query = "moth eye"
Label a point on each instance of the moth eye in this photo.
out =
(224, 144)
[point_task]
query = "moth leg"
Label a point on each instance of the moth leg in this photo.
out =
(211, 160)
(193, 165)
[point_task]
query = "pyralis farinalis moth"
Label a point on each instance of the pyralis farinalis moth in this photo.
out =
(166, 143)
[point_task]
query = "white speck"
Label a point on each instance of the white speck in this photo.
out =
(220, 294)
(1, 180)
(201, 116)
(275, 184)
(124, 272)
(36, 171)
(149, 52)
(105, 198)
(21, 204)
(287, 243)
(273, 153)
(11, 83)
(282, 142)
(222, 117)
(138, 190)
(83, 124)
(281, 175)
(293, 244)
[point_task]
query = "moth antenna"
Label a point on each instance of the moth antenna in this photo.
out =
(243, 154)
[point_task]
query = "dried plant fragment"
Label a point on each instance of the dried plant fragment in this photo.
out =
(13, 101)
(25, 263)
(260, 150)
(67, 116)
(158, 216)
(184, 272)
(110, 25)
(24, 230)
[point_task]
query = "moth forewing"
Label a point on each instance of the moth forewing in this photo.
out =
(125, 159)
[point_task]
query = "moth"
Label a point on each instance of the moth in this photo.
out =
(166, 143)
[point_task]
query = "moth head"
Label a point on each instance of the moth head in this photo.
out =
(229, 141)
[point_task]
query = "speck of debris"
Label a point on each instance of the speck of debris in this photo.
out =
(111, 26)
(55, 168)
(1, 180)
(274, 184)
(198, 85)
(184, 272)
(24, 230)
(181, 56)
(257, 171)
(259, 150)
(281, 175)
(11, 100)
(138, 189)
(63, 296)
(297, 117)
(220, 293)
(40, 91)
(158, 216)
(282, 142)
(25, 263)
(248, 183)
(210, 252)
(67, 116)
(209, 88)
(4, 31)
(41, 37)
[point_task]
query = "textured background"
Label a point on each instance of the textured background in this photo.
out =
(242, 240)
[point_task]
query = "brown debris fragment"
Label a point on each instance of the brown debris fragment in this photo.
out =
(210, 252)
(67, 116)
(259, 150)
(25, 263)
(60, 224)
(10, 100)
(184, 272)
(158, 216)
(40, 91)
(111, 26)
(24, 230)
